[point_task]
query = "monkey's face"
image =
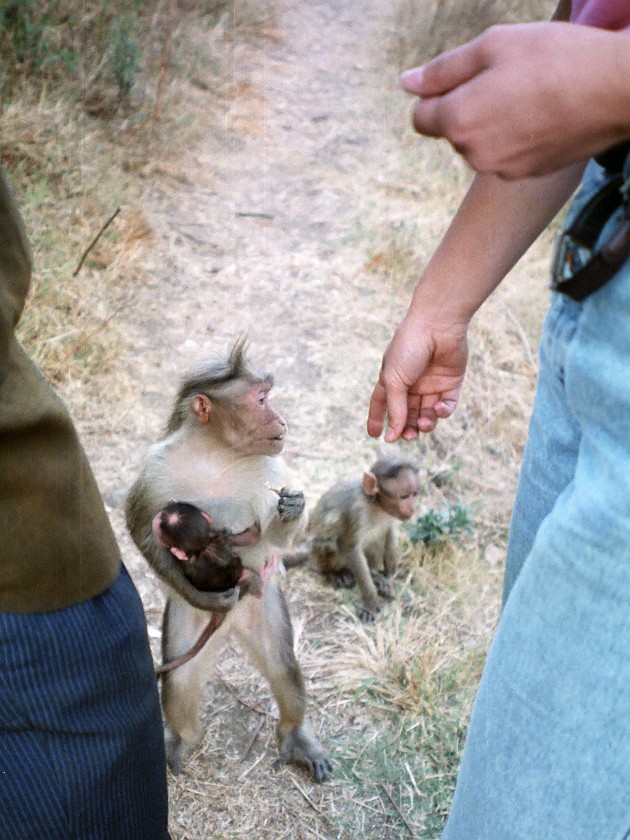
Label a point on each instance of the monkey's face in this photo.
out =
(261, 429)
(398, 496)
(244, 420)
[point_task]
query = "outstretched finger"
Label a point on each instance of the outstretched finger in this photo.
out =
(410, 432)
(427, 418)
(397, 415)
(390, 401)
(377, 411)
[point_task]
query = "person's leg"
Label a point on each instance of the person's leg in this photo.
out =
(548, 749)
(553, 439)
(552, 443)
(81, 737)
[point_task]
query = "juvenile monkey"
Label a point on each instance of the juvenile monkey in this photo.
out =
(207, 554)
(221, 452)
(352, 533)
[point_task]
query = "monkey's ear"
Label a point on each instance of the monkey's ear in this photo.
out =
(370, 484)
(206, 517)
(201, 407)
(179, 553)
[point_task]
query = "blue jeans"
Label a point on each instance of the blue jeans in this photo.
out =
(547, 755)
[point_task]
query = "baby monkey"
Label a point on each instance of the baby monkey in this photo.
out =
(206, 553)
(352, 530)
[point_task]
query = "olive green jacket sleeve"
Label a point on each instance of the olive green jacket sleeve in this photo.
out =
(57, 547)
(15, 270)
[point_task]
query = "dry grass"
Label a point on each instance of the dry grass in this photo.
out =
(58, 167)
(72, 164)
(423, 30)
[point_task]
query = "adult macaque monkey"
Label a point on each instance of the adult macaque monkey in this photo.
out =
(352, 531)
(220, 452)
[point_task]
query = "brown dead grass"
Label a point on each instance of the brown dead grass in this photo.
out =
(423, 30)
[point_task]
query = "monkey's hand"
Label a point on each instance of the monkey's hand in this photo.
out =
(383, 585)
(252, 583)
(249, 536)
(290, 504)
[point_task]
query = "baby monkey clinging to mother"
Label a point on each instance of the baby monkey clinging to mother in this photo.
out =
(352, 530)
(206, 553)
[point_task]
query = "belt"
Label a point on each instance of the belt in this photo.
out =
(578, 269)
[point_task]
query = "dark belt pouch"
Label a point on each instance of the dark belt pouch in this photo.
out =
(578, 269)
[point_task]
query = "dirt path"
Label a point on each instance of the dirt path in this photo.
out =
(266, 228)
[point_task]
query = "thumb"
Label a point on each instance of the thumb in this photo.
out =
(444, 73)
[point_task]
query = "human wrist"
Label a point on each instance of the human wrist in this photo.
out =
(448, 302)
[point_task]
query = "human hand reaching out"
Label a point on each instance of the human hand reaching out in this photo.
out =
(420, 379)
(518, 101)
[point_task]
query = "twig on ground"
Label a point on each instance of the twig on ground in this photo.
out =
(95, 240)
(242, 214)
(261, 723)
(398, 811)
(242, 702)
(305, 795)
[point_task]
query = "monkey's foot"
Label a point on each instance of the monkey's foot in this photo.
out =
(367, 614)
(382, 584)
(302, 747)
(341, 580)
(177, 750)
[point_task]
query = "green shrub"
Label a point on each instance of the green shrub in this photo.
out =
(91, 43)
(440, 526)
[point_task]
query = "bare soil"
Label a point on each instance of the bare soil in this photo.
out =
(300, 217)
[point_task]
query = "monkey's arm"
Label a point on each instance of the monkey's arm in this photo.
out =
(388, 559)
(355, 560)
(389, 552)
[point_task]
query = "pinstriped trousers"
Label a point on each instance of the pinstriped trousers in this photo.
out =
(81, 739)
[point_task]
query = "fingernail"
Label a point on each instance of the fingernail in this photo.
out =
(411, 78)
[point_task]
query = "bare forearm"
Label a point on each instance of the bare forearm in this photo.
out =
(494, 226)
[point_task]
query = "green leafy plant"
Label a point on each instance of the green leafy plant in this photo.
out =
(126, 53)
(25, 26)
(440, 526)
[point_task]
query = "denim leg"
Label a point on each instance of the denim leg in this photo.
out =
(548, 749)
(552, 442)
